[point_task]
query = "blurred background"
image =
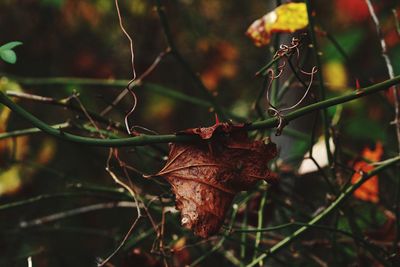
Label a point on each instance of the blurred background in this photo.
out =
(43, 180)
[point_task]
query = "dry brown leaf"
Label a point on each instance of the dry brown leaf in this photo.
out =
(206, 175)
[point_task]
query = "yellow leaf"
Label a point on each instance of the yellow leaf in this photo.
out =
(335, 75)
(291, 17)
(10, 180)
(288, 17)
(161, 107)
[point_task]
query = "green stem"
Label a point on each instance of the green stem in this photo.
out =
(230, 256)
(263, 70)
(337, 45)
(332, 207)
(243, 236)
(260, 218)
(325, 119)
(275, 87)
(57, 195)
(396, 21)
(269, 123)
(373, 249)
(132, 242)
(257, 104)
(151, 87)
(29, 131)
(153, 139)
(67, 80)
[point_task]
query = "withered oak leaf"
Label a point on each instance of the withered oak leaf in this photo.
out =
(206, 175)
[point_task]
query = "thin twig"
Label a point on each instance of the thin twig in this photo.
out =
(39, 198)
(396, 94)
(121, 25)
(138, 81)
(78, 211)
(30, 131)
(396, 21)
(65, 103)
(133, 194)
(114, 152)
(389, 67)
(315, 226)
(325, 118)
(86, 113)
(337, 45)
(220, 242)
(276, 41)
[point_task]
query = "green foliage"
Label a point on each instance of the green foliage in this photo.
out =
(7, 53)
(349, 40)
(52, 3)
(356, 128)
(356, 124)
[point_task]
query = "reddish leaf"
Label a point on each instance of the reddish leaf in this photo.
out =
(206, 175)
(353, 10)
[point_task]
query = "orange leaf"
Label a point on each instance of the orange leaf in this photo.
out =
(288, 17)
(369, 190)
(221, 63)
(373, 155)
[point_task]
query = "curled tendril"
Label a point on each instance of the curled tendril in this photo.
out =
(130, 84)
(285, 52)
(130, 90)
(272, 110)
(311, 74)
